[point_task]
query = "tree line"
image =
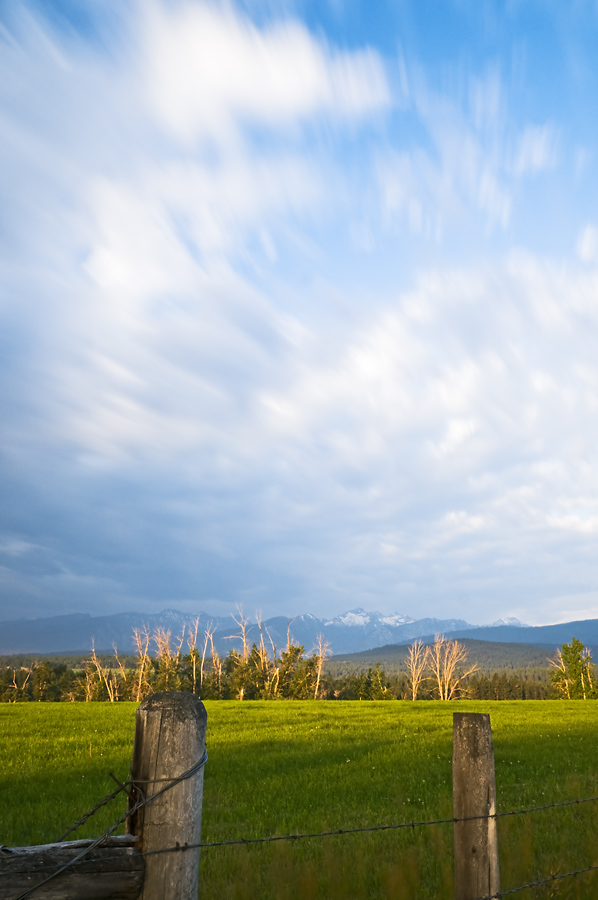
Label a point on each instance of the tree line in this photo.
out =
(260, 672)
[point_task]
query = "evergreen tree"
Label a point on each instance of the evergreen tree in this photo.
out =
(573, 674)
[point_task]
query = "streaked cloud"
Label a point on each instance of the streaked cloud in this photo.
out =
(279, 323)
(208, 69)
(587, 244)
(536, 150)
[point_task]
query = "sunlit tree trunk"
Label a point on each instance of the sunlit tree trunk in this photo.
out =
(322, 651)
(416, 663)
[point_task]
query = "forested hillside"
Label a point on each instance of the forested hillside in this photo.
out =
(489, 656)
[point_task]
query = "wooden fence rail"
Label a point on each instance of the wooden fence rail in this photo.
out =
(113, 871)
(164, 811)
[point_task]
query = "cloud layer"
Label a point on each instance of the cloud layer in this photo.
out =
(276, 330)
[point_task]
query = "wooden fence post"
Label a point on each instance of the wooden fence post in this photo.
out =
(170, 738)
(474, 794)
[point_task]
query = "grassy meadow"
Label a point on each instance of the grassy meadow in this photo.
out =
(278, 768)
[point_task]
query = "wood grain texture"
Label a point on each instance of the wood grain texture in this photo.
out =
(170, 738)
(474, 794)
(111, 872)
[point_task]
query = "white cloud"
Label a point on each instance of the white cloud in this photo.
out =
(152, 232)
(199, 366)
(14, 547)
(587, 244)
(459, 173)
(456, 433)
(209, 70)
(536, 150)
(487, 101)
(568, 607)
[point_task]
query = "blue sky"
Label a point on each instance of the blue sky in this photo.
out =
(299, 307)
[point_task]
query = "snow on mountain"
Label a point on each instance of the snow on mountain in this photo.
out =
(350, 632)
(353, 617)
(360, 618)
(396, 619)
(509, 620)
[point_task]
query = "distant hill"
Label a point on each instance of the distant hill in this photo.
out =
(586, 630)
(490, 656)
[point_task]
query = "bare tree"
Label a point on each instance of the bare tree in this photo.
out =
(267, 671)
(216, 665)
(322, 651)
(193, 652)
(243, 623)
(91, 681)
(207, 638)
(141, 687)
(274, 678)
(169, 659)
(123, 672)
(561, 676)
(105, 674)
(19, 688)
(416, 663)
(289, 639)
(446, 660)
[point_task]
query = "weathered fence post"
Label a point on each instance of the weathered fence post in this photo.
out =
(170, 739)
(474, 794)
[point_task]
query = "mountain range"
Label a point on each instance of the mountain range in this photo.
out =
(354, 631)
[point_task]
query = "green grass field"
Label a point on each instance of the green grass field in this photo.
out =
(278, 768)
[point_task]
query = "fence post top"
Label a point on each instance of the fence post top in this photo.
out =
(187, 705)
(470, 718)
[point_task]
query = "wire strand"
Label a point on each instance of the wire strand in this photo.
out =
(136, 806)
(180, 848)
(93, 811)
(540, 881)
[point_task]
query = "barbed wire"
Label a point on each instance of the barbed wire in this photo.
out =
(309, 835)
(179, 848)
(368, 828)
(123, 786)
(103, 802)
(539, 882)
(129, 812)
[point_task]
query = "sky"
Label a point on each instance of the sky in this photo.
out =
(299, 307)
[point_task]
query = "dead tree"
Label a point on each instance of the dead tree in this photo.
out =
(446, 660)
(105, 675)
(216, 666)
(169, 660)
(207, 637)
(123, 672)
(19, 689)
(242, 622)
(141, 687)
(322, 651)
(416, 663)
(193, 653)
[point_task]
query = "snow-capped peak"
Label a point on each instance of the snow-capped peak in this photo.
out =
(360, 617)
(354, 617)
(508, 620)
(396, 619)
